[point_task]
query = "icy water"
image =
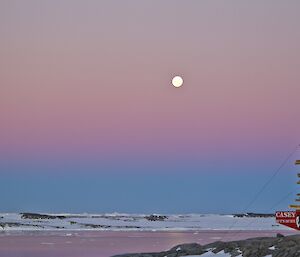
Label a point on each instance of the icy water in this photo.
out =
(108, 243)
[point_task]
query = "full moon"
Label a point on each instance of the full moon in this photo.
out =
(177, 81)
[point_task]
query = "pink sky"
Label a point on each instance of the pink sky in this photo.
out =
(91, 79)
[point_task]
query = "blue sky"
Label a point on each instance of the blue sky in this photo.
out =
(185, 192)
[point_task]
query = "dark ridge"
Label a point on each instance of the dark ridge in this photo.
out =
(15, 224)
(254, 215)
(107, 226)
(35, 216)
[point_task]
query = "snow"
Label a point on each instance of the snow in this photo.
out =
(138, 222)
(219, 254)
(211, 254)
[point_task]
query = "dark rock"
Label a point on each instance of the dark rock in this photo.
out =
(254, 215)
(107, 226)
(279, 246)
(95, 226)
(187, 249)
(156, 217)
(27, 215)
(58, 227)
(16, 224)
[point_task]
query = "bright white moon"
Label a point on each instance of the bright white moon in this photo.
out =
(177, 81)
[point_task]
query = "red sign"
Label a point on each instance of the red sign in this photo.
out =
(289, 218)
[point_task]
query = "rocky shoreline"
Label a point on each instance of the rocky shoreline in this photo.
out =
(279, 246)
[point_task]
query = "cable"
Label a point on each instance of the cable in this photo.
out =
(271, 208)
(281, 200)
(265, 185)
(271, 178)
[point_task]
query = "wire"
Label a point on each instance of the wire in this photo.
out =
(265, 185)
(281, 200)
(271, 208)
(271, 178)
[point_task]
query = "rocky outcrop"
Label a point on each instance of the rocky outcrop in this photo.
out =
(35, 216)
(156, 217)
(279, 246)
(254, 215)
(107, 226)
(4, 225)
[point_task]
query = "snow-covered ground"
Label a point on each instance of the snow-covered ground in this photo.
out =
(211, 254)
(137, 222)
(220, 254)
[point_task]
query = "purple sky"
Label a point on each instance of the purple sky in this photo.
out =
(85, 87)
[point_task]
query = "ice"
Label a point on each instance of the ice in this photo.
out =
(211, 254)
(138, 222)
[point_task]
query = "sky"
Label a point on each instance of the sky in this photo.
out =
(89, 120)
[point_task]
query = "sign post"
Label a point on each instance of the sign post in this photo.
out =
(290, 218)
